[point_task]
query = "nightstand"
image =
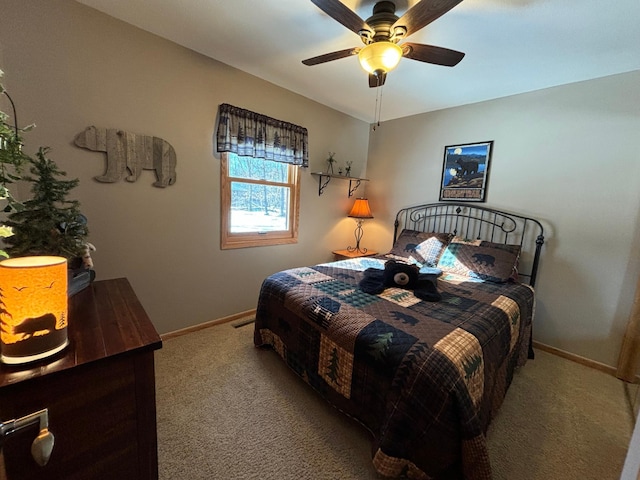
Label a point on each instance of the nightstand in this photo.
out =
(346, 254)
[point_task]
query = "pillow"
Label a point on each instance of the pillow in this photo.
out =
(480, 259)
(424, 247)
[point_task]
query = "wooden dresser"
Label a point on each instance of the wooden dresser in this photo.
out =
(100, 392)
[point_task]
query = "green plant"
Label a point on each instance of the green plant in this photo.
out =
(48, 223)
(12, 157)
(4, 233)
(11, 161)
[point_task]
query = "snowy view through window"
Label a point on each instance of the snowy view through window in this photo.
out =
(255, 206)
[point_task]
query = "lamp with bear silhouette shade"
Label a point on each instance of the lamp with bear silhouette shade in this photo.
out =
(33, 308)
(360, 211)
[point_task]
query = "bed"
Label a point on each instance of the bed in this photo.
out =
(424, 377)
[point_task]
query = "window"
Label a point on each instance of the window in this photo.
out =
(260, 202)
(259, 177)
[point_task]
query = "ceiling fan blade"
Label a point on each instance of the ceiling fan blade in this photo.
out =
(377, 80)
(431, 54)
(328, 57)
(423, 13)
(342, 14)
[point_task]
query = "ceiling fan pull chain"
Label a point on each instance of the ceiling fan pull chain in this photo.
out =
(379, 105)
(378, 110)
(375, 110)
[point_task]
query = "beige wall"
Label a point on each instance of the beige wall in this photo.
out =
(566, 155)
(68, 66)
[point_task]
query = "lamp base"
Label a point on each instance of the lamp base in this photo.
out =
(358, 234)
(39, 348)
(357, 249)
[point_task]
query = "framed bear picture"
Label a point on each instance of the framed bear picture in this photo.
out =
(465, 172)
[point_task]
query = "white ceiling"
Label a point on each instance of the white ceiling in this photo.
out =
(511, 46)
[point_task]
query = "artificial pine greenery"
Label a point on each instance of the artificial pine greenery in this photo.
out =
(48, 224)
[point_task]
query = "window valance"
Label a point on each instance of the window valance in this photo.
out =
(247, 133)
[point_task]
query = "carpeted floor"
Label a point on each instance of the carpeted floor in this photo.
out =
(227, 410)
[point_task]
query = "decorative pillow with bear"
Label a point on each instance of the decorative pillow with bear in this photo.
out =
(423, 247)
(480, 259)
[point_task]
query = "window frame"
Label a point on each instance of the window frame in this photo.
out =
(229, 240)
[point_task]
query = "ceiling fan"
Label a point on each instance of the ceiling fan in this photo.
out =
(382, 32)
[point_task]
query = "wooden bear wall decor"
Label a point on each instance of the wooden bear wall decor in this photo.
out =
(132, 152)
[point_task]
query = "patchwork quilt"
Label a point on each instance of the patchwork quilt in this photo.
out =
(425, 378)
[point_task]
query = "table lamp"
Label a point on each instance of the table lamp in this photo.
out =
(33, 308)
(360, 211)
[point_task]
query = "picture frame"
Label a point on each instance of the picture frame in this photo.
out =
(465, 172)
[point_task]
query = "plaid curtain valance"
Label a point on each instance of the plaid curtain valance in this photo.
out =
(247, 133)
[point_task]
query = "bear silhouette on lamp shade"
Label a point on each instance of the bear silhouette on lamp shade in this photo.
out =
(33, 308)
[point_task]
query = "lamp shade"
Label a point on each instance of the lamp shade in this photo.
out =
(33, 308)
(383, 56)
(361, 209)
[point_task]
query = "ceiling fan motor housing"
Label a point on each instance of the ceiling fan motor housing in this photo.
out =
(381, 21)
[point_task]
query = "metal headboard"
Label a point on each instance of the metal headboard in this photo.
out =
(476, 222)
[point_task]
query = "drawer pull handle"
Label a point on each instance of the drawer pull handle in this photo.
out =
(42, 445)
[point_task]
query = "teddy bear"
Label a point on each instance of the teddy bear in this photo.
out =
(87, 261)
(401, 275)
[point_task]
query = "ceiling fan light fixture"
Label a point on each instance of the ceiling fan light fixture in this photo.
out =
(380, 56)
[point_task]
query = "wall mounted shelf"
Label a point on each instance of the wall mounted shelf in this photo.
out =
(325, 178)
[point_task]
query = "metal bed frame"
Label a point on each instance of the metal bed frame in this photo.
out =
(476, 222)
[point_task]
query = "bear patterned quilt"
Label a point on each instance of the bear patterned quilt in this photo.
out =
(424, 377)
